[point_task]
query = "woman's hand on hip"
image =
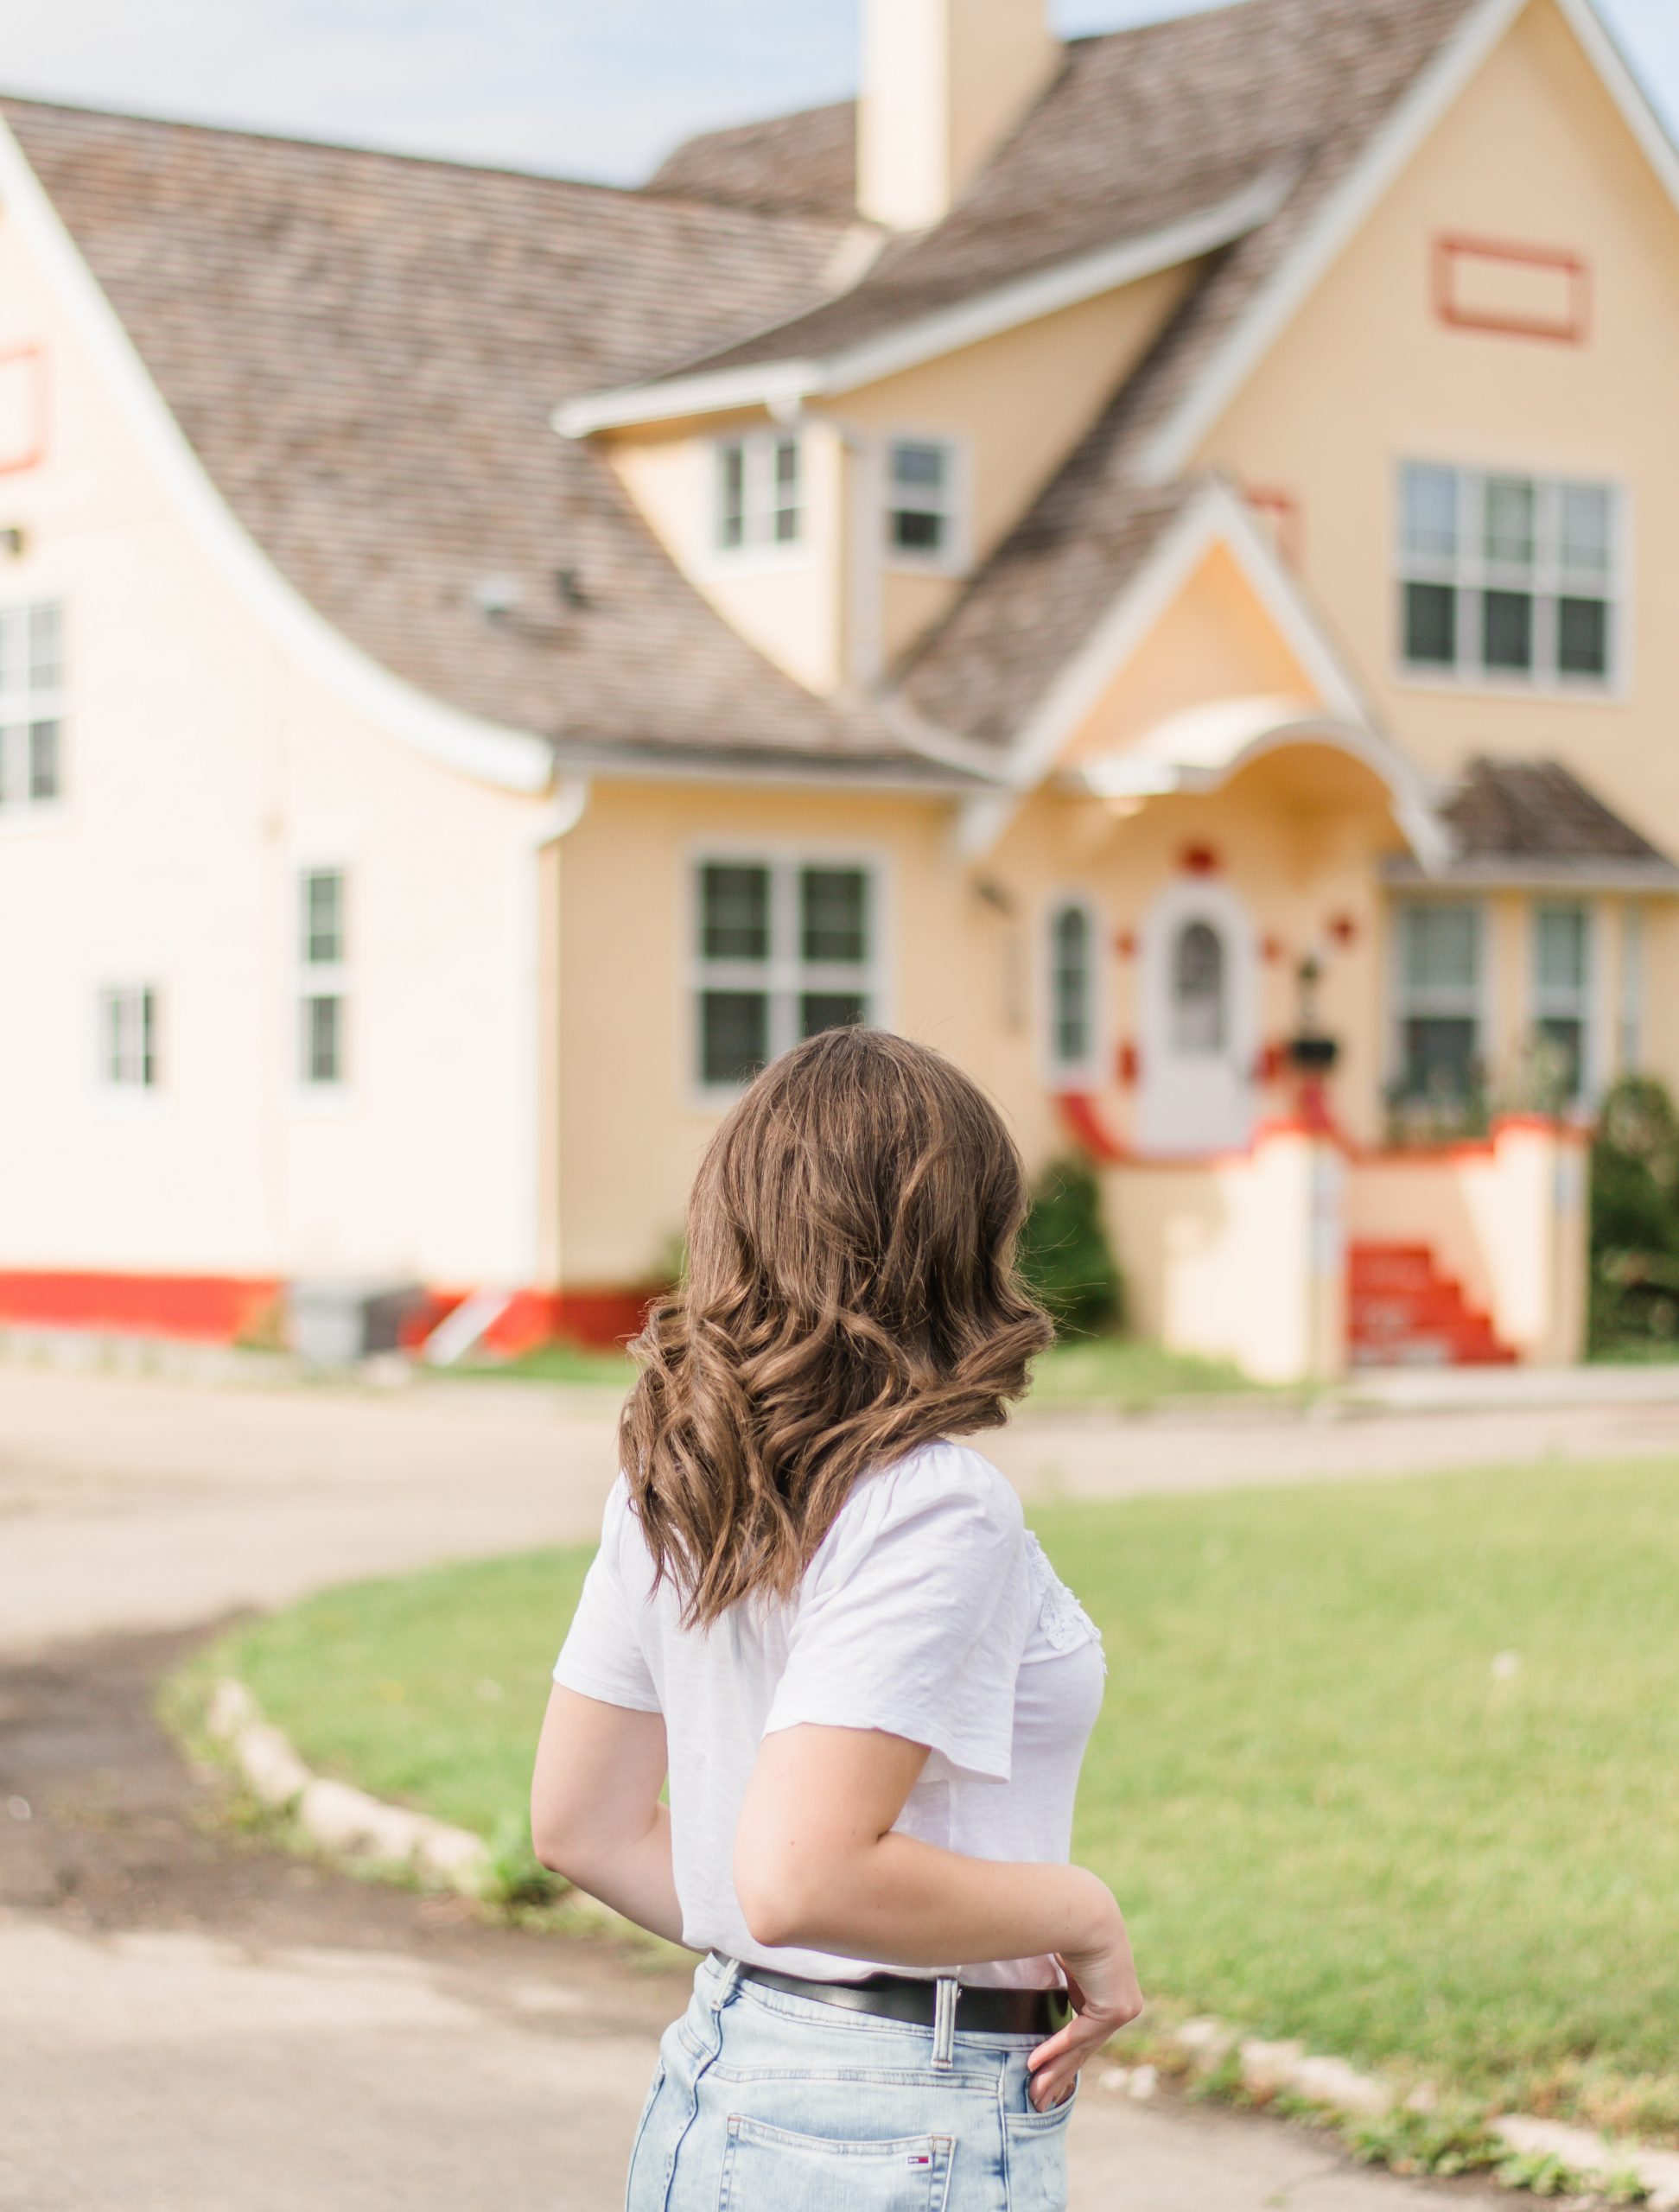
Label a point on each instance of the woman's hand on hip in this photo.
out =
(1101, 1981)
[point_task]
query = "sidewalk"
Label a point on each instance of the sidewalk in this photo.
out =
(134, 1504)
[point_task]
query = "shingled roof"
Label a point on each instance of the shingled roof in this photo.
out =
(365, 351)
(803, 164)
(1327, 70)
(1535, 820)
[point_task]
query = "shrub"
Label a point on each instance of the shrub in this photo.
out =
(1635, 1216)
(1065, 1255)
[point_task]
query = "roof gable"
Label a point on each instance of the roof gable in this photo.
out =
(356, 355)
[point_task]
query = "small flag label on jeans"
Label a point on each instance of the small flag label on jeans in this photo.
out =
(920, 2159)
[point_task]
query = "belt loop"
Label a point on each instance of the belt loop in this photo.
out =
(726, 1982)
(944, 2021)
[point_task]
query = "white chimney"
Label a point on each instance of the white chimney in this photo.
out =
(944, 82)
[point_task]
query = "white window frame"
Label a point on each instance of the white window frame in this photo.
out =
(954, 556)
(1579, 1002)
(320, 979)
(1469, 574)
(1475, 1002)
(25, 706)
(131, 1086)
(759, 547)
(1630, 993)
(1085, 1070)
(785, 975)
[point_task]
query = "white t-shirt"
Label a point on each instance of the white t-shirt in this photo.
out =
(929, 1610)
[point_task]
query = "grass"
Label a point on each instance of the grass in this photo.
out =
(1114, 1371)
(1393, 1767)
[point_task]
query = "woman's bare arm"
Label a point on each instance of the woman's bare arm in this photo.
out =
(818, 1864)
(595, 1817)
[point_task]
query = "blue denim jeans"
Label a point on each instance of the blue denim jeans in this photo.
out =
(766, 2102)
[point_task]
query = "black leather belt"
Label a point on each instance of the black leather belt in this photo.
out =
(908, 1996)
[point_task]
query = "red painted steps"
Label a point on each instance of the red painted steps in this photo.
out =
(1402, 1311)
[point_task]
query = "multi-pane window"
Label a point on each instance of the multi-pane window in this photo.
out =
(1509, 577)
(758, 492)
(31, 705)
(1562, 991)
(1439, 999)
(322, 1000)
(1072, 988)
(785, 949)
(921, 501)
(128, 1037)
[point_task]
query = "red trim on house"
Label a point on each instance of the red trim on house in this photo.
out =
(220, 1309)
(1199, 859)
(30, 456)
(210, 1308)
(1451, 251)
(1282, 510)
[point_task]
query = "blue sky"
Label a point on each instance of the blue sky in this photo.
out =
(595, 88)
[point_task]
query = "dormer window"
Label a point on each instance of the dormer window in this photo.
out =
(758, 493)
(924, 509)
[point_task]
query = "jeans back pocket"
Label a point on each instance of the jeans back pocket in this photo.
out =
(1036, 2147)
(764, 2167)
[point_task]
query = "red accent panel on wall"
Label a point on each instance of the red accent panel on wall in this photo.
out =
(214, 1308)
(23, 409)
(1200, 860)
(1512, 291)
(1282, 511)
(1128, 1065)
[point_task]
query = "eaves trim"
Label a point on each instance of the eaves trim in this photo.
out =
(784, 384)
(491, 753)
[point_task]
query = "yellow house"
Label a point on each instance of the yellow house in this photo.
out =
(1144, 562)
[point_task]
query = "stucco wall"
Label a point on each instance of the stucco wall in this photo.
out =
(1368, 376)
(201, 769)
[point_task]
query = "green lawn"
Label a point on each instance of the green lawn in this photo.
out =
(1394, 1767)
(1116, 1369)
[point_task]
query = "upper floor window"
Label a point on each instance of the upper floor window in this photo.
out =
(1562, 992)
(1510, 578)
(31, 705)
(923, 517)
(324, 985)
(1073, 1015)
(128, 1037)
(784, 949)
(759, 497)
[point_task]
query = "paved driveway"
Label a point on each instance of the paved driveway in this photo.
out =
(189, 2022)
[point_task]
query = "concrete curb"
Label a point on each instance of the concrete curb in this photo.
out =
(1268, 2069)
(344, 1822)
(347, 1823)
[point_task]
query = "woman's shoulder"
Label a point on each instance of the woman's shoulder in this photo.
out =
(940, 1482)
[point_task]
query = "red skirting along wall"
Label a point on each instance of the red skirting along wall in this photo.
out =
(220, 1309)
(212, 1309)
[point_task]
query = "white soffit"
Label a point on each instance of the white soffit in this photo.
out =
(784, 383)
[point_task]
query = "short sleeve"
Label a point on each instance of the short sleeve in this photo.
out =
(913, 1620)
(602, 1656)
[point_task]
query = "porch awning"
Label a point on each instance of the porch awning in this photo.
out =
(1533, 825)
(1203, 748)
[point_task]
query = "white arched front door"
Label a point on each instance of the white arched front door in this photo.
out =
(1200, 1027)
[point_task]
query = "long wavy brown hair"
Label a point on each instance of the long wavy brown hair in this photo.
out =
(851, 1292)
